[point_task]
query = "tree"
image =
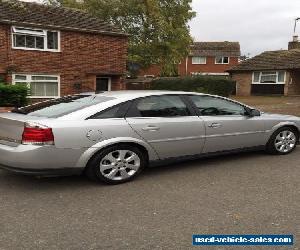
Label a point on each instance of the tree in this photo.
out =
(158, 29)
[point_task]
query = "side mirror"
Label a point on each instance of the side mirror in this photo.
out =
(252, 112)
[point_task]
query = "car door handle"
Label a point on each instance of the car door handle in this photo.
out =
(150, 128)
(215, 125)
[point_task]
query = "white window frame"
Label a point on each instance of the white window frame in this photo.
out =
(196, 63)
(222, 59)
(35, 32)
(29, 80)
(261, 73)
(209, 74)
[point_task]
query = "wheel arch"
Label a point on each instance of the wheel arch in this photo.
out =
(133, 144)
(88, 155)
(286, 125)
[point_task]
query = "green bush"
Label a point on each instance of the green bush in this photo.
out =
(13, 95)
(205, 84)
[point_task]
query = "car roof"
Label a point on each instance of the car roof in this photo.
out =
(131, 94)
(121, 96)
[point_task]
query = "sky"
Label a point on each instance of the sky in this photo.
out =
(258, 25)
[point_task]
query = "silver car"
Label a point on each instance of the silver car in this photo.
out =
(112, 136)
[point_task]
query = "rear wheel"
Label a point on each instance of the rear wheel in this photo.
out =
(283, 141)
(116, 164)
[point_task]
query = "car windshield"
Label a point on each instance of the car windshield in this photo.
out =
(61, 106)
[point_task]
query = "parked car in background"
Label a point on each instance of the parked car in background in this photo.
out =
(112, 136)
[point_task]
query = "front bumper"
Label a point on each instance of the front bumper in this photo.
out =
(39, 160)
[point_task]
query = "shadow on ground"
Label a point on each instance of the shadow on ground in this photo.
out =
(77, 182)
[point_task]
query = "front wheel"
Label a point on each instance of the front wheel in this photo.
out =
(283, 141)
(116, 164)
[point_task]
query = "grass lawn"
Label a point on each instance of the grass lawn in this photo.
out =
(279, 105)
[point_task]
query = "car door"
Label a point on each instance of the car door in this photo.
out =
(168, 125)
(227, 125)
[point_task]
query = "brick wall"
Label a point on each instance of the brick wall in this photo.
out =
(82, 56)
(152, 70)
(209, 67)
(243, 83)
(293, 83)
(3, 48)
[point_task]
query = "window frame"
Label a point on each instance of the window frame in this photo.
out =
(35, 34)
(131, 112)
(216, 97)
(271, 83)
(222, 59)
(194, 63)
(29, 80)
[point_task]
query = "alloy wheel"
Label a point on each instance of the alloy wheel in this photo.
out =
(285, 141)
(120, 165)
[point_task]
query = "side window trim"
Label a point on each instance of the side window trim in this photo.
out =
(221, 98)
(132, 111)
(191, 105)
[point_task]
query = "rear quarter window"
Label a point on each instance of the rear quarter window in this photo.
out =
(62, 106)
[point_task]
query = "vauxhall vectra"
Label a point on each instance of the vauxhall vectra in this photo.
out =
(113, 136)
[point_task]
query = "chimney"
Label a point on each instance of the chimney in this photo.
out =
(295, 44)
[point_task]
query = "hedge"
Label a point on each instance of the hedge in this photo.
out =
(13, 95)
(205, 84)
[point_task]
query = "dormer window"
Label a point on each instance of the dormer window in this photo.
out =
(35, 39)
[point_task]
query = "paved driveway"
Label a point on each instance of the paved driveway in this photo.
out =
(245, 193)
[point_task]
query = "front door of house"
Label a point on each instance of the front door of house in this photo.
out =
(103, 83)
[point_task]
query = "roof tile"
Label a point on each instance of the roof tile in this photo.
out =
(271, 60)
(216, 49)
(40, 15)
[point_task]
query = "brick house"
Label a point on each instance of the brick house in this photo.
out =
(205, 58)
(272, 72)
(59, 51)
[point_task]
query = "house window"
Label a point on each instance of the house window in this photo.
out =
(35, 39)
(198, 60)
(40, 86)
(268, 77)
(222, 60)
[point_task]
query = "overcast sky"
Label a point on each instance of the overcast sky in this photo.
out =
(258, 25)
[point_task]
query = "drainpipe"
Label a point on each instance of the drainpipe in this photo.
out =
(186, 65)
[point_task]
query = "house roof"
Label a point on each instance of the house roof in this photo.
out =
(45, 16)
(216, 49)
(271, 60)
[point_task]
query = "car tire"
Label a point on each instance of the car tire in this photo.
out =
(116, 164)
(283, 141)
